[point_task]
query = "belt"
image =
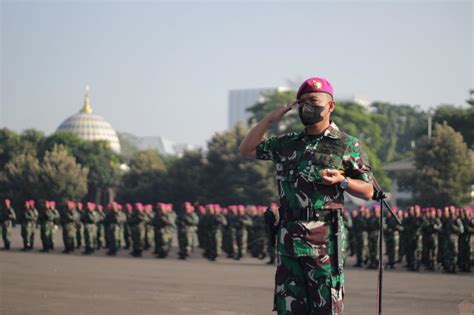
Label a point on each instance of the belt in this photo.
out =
(306, 214)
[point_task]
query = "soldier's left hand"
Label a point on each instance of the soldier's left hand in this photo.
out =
(332, 177)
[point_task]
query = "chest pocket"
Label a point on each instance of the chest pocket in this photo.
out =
(323, 160)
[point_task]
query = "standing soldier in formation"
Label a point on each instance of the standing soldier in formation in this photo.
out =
(127, 233)
(113, 220)
(186, 222)
(241, 223)
(431, 226)
(270, 231)
(352, 240)
(392, 239)
(163, 225)
(149, 229)
(28, 225)
(361, 237)
(201, 229)
(138, 221)
(412, 225)
(47, 219)
(402, 248)
(79, 225)
(465, 240)
(217, 222)
(7, 217)
(68, 221)
(373, 231)
(452, 228)
(89, 220)
(348, 231)
(100, 227)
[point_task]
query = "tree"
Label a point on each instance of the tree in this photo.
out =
(10, 146)
(444, 169)
(459, 118)
(402, 125)
(269, 103)
(185, 179)
(103, 164)
(57, 177)
(145, 181)
(231, 178)
(61, 178)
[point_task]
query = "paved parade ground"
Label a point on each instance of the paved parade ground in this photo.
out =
(55, 283)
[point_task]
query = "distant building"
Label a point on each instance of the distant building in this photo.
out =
(90, 127)
(241, 100)
(162, 145)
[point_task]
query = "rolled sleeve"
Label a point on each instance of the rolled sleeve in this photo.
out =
(356, 162)
(268, 149)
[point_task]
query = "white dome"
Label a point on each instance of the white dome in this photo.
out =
(90, 127)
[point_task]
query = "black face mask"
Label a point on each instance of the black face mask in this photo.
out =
(309, 114)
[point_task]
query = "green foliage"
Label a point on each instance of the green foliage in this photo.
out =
(186, 180)
(444, 169)
(231, 178)
(146, 179)
(145, 161)
(401, 126)
(271, 101)
(10, 146)
(459, 118)
(57, 177)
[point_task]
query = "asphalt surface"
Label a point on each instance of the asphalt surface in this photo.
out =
(56, 283)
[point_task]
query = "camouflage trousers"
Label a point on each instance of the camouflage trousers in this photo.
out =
(163, 240)
(47, 235)
(392, 242)
(307, 279)
(69, 235)
(7, 232)
(28, 234)
(90, 236)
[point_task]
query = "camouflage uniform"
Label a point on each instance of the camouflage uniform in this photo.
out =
(373, 231)
(68, 222)
(163, 224)
(79, 226)
(241, 223)
(430, 229)
(100, 227)
(361, 238)
(309, 277)
(127, 233)
(28, 226)
(392, 239)
(186, 222)
(113, 220)
(412, 225)
(216, 225)
(89, 221)
(465, 242)
(452, 228)
(48, 219)
(7, 217)
(138, 222)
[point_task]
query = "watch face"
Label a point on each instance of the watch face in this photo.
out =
(344, 184)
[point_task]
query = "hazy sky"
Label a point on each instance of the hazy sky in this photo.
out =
(163, 68)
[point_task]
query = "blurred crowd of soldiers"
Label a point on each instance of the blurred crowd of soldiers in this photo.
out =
(234, 230)
(428, 237)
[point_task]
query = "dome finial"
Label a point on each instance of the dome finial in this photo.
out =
(87, 103)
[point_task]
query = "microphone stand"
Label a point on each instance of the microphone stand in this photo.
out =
(379, 195)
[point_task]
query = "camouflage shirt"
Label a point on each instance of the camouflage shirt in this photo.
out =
(299, 158)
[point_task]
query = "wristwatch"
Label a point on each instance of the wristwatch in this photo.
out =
(344, 184)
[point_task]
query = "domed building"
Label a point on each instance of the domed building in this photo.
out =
(90, 127)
